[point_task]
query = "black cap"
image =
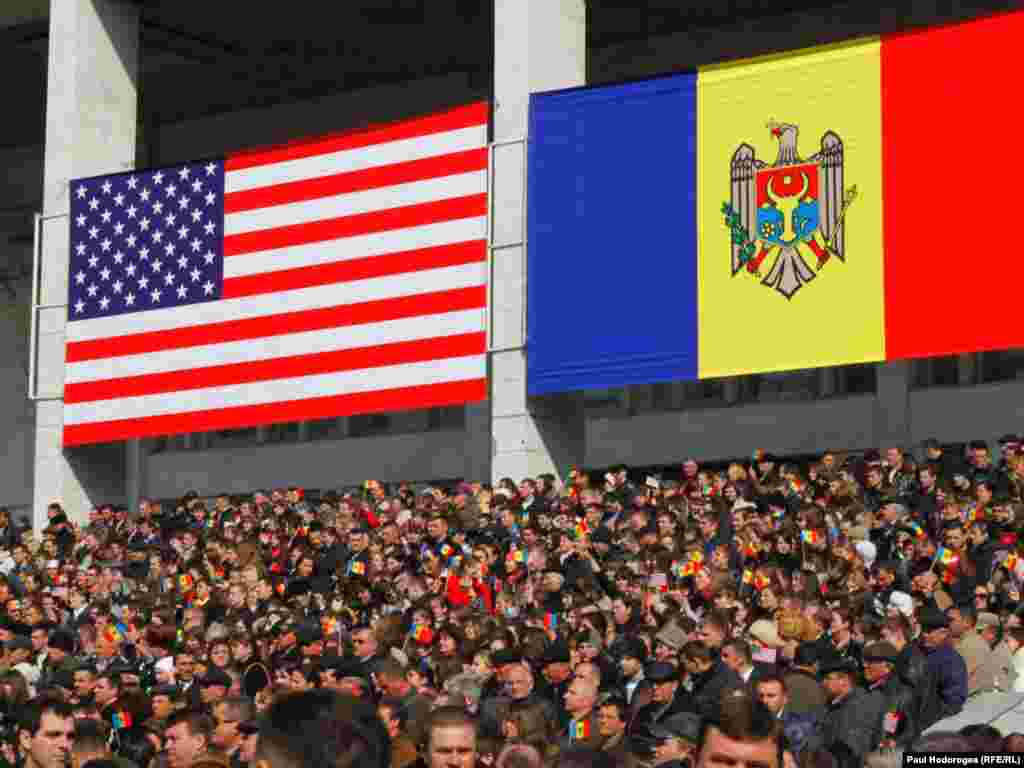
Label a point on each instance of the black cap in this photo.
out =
(837, 664)
(62, 640)
(932, 619)
(506, 656)
(307, 634)
(881, 652)
(661, 672)
(215, 676)
(685, 725)
(165, 690)
(556, 653)
(19, 643)
(635, 648)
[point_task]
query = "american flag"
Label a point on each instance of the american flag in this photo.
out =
(325, 278)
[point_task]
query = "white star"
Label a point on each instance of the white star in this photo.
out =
(183, 203)
(182, 232)
(157, 265)
(182, 290)
(196, 216)
(211, 168)
(158, 177)
(129, 300)
(119, 228)
(158, 236)
(131, 240)
(94, 262)
(107, 186)
(81, 192)
(132, 210)
(104, 302)
(80, 278)
(144, 194)
(210, 197)
(143, 282)
(132, 182)
(158, 208)
(118, 285)
(105, 245)
(94, 204)
(79, 307)
(80, 249)
(93, 233)
(154, 295)
(169, 278)
(144, 253)
(208, 257)
(196, 245)
(170, 218)
(169, 249)
(207, 288)
(118, 257)
(182, 262)
(171, 190)
(209, 227)
(106, 217)
(183, 173)
(194, 274)
(105, 273)
(130, 270)
(197, 186)
(144, 224)
(80, 219)
(118, 199)
(92, 289)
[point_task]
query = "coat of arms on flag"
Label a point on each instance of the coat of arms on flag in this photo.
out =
(780, 214)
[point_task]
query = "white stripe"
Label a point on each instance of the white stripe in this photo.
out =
(354, 203)
(360, 247)
(271, 347)
(356, 159)
(280, 390)
(263, 305)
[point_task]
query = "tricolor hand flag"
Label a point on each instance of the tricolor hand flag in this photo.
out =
(338, 276)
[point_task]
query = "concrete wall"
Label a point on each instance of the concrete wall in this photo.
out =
(321, 464)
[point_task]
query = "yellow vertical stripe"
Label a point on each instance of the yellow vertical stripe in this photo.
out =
(836, 317)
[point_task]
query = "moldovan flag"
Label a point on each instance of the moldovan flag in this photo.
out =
(811, 208)
(330, 277)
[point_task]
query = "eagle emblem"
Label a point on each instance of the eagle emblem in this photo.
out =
(779, 215)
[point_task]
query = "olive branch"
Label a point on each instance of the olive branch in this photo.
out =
(740, 236)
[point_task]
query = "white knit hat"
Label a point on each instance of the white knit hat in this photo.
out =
(867, 551)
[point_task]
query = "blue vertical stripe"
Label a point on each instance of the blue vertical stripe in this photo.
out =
(612, 236)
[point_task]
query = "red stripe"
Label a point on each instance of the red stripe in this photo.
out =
(400, 399)
(358, 224)
(453, 119)
(276, 325)
(356, 181)
(402, 262)
(294, 366)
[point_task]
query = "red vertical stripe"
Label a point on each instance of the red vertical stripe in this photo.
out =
(951, 176)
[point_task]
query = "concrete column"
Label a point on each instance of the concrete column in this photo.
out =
(135, 454)
(91, 114)
(892, 405)
(478, 442)
(539, 45)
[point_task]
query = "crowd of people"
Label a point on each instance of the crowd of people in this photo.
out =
(826, 613)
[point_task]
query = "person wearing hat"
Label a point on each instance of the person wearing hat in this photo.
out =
(946, 669)
(899, 728)
(667, 696)
(995, 670)
(851, 727)
(557, 673)
(675, 740)
(634, 653)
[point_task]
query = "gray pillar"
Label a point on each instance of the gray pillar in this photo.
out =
(90, 129)
(135, 454)
(478, 442)
(892, 405)
(967, 369)
(539, 45)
